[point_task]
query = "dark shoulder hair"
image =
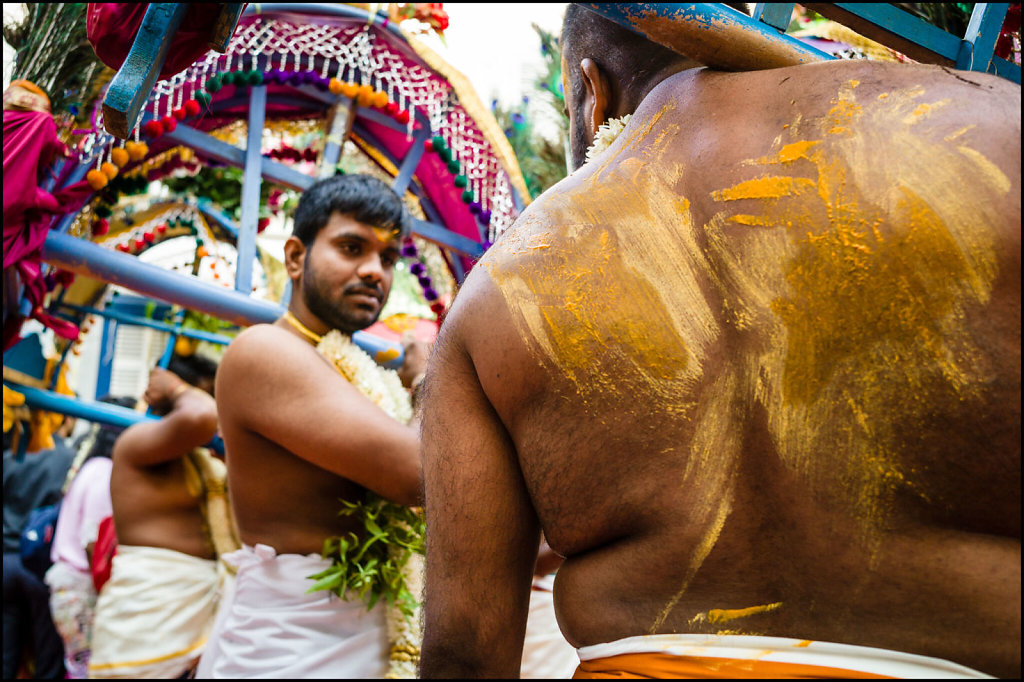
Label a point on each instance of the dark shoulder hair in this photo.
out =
(363, 197)
(192, 368)
(625, 54)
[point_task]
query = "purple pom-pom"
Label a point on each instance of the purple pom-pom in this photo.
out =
(430, 294)
(484, 217)
(409, 251)
(425, 281)
(475, 207)
(417, 269)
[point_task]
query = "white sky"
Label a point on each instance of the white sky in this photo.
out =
(492, 44)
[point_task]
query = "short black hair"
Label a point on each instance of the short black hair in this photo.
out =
(192, 368)
(363, 197)
(624, 54)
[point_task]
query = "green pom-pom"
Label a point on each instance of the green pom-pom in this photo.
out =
(467, 196)
(445, 154)
(255, 77)
(214, 84)
(454, 167)
(437, 142)
(203, 98)
(228, 78)
(460, 181)
(103, 211)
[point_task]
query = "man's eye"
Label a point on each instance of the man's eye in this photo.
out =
(388, 259)
(349, 247)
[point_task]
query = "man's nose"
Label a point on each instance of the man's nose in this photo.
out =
(371, 268)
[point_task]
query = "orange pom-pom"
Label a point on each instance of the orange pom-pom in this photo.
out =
(97, 179)
(380, 99)
(119, 156)
(109, 169)
(349, 89)
(137, 151)
(335, 86)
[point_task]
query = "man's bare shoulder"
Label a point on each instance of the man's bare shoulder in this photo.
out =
(262, 357)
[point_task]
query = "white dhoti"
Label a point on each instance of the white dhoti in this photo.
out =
(745, 656)
(270, 628)
(154, 615)
(546, 654)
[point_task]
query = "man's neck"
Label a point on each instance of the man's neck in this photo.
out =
(629, 104)
(302, 323)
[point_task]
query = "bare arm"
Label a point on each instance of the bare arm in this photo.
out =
(484, 534)
(191, 422)
(275, 385)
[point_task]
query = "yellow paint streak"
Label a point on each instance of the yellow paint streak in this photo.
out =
(953, 136)
(765, 188)
(720, 616)
(750, 220)
(923, 110)
(991, 171)
(859, 293)
(699, 556)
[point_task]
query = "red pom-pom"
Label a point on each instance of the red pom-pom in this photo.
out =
(140, 244)
(262, 224)
(123, 247)
(168, 123)
(428, 146)
(437, 307)
(100, 227)
(192, 107)
(161, 228)
(391, 108)
(149, 237)
(153, 128)
(402, 116)
(179, 114)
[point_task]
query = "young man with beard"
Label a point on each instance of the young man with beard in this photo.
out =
(301, 436)
(754, 371)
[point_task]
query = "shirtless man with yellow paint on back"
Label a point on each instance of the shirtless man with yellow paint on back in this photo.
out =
(754, 371)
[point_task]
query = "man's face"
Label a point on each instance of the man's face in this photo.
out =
(347, 274)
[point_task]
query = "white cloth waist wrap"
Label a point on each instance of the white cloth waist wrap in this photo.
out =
(154, 615)
(784, 650)
(268, 627)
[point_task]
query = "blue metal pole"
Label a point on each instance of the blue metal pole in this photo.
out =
(106, 363)
(103, 413)
(251, 190)
(85, 258)
(152, 324)
(711, 33)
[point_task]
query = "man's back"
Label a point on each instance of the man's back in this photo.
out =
(759, 363)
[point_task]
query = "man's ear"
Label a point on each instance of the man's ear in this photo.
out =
(597, 96)
(294, 257)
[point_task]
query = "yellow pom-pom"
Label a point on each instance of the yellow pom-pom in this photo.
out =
(96, 179)
(109, 169)
(349, 89)
(119, 156)
(365, 96)
(136, 150)
(380, 99)
(335, 86)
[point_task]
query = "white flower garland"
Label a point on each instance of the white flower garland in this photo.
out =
(606, 135)
(379, 384)
(384, 388)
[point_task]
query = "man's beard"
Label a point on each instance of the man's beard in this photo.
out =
(334, 314)
(579, 144)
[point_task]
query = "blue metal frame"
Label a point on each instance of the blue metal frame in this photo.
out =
(93, 411)
(85, 258)
(251, 189)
